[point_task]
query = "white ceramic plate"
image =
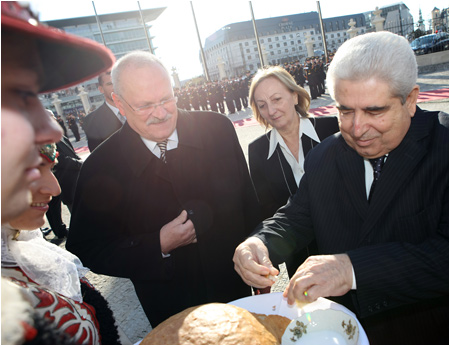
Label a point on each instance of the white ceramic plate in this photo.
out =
(275, 304)
(322, 327)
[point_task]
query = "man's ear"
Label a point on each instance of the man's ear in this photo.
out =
(411, 100)
(118, 103)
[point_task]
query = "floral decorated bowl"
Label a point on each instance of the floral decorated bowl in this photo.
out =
(322, 327)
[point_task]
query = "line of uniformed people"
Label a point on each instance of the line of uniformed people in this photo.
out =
(232, 92)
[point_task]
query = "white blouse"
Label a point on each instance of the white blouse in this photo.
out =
(306, 128)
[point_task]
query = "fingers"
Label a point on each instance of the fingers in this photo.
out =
(252, 263)
(180, 219)
(320, 276)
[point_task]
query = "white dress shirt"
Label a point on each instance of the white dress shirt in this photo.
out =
(306, 128)
(172, 143)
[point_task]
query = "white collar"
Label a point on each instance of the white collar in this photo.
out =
(114, 109)
(172, 142)
(43, 262)
(305, 127)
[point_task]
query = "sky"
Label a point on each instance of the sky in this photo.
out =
(175, 34)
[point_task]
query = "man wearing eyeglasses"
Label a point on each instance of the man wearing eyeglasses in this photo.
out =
(105, 120)
(166, 199)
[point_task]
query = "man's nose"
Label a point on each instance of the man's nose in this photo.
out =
(159, 111)
(359, 123)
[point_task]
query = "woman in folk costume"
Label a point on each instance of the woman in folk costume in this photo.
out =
(56, 304)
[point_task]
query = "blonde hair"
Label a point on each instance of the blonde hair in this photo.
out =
(288, 81)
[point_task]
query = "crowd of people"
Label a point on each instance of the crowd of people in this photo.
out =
(234, 92)
(355, 205)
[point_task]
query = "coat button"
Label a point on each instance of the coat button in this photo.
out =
(370, 308)
(190, 212)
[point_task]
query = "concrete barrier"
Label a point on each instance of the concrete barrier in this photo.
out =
(433, 61)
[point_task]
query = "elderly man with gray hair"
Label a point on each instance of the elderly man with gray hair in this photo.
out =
(375, 198)
(166, 199)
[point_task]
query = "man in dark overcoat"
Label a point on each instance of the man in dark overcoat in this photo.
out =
(166, 199)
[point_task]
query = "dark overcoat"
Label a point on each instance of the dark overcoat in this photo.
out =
(125, 195)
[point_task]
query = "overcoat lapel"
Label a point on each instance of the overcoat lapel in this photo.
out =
(351, 169)
(397, 170)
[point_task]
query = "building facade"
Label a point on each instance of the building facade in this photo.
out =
(121, 32)
(398, 19)
(283, 39)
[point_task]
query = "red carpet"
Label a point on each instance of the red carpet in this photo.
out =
(424, 96)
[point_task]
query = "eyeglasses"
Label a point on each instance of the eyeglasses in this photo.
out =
(150, 108)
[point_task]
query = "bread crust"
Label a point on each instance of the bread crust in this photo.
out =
(218, 324)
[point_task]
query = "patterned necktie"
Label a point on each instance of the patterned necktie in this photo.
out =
(163, 147)
(377, 165)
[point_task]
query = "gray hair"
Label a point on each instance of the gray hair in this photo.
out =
(132, 59)
(381, 55)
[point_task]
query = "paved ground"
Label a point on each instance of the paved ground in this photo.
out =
(120, 292)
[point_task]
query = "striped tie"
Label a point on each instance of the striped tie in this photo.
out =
(163, 147)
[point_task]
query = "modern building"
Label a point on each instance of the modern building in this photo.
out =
(121, 32)
(398, 19)
(233, 48)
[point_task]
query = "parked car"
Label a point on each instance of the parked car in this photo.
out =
(430, 43)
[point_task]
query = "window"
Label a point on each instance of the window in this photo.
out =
(249, 57)
(338, 35)
(278, 45)
(269, 40)
(262, 40)
(279, 51)
(299, 41)
(277, 38)
(332, 35)
(246, 44)
(284, 37)
(293, 49)
(247, 50)
(311, 32)
(291, 36)
(285, 44)
(255, 49)
(254, 42)
(271, 52)
(292, 43)
(286, 50)
(270, 46)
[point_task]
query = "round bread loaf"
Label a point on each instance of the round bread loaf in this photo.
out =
(213, 324)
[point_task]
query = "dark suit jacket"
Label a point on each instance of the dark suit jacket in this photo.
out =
(274, 180)
(125, 195)
(67, 170)
(398, 244)
(99, 125)
(273, 177)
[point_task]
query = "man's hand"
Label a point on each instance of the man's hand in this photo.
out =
(320, 276)
(252, 263)
(177, 233)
